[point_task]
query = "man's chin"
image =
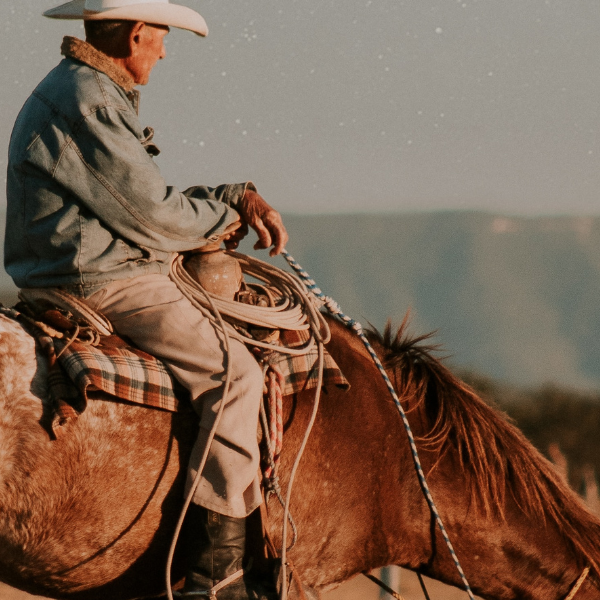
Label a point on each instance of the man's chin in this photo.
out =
(142, 79)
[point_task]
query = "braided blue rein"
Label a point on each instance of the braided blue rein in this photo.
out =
(334, 308)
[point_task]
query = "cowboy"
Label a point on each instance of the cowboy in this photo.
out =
(89, 213)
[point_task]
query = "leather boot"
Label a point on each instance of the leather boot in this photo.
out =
(216, 545)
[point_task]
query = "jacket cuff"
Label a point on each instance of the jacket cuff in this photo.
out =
(234, 192)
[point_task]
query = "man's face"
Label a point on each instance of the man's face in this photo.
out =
(147, 49)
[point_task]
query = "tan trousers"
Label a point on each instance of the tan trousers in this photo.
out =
(151, 311)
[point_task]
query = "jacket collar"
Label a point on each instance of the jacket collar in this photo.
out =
(73, 47)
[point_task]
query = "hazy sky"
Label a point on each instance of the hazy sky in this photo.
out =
(370, 105)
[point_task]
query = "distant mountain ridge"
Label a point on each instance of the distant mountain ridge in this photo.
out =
(517, 299)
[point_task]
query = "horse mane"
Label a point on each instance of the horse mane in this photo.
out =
(494, 455)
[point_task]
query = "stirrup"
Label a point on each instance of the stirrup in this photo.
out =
(212, 593)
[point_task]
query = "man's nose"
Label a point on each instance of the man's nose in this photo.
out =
(163, 52)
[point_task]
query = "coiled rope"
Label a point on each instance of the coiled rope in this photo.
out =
(297, 310)
(334, 308)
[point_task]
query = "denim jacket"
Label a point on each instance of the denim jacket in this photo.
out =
(86, 202)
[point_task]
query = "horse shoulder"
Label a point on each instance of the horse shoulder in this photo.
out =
(94, 506)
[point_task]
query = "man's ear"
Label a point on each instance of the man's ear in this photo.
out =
(135, 36)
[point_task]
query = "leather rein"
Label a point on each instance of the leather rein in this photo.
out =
(577, 585)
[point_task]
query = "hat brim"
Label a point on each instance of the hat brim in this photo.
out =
(171, 15)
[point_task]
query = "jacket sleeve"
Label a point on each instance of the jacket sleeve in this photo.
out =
(106, 166)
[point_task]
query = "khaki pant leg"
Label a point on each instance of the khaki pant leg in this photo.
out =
(153, 313)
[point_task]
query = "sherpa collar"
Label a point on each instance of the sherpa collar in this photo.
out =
(73, 47)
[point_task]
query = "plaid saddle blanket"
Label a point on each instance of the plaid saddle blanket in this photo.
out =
(127, 374)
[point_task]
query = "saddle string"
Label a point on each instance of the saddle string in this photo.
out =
(290, 286)
(272, 481)
(334, 308)
(309, 428)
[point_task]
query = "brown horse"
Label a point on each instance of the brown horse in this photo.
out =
(90, 515)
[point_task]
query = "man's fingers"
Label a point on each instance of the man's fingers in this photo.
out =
(265, 221)
(264, 235)
(279, 233)
(240, 233)
(232, 227)
(280, 239)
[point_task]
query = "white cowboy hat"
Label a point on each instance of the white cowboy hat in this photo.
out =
(156, 12)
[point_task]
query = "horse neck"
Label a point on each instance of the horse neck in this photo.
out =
(513, 542)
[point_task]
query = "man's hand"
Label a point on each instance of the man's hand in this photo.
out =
(226, 237)
(266, 221)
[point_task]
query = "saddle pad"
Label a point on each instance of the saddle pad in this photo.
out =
(301, 373)
(120, 370)
(128, 374)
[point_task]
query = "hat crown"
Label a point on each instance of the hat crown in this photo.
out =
(99, 5)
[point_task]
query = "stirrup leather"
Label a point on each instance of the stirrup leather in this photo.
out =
(56, 297)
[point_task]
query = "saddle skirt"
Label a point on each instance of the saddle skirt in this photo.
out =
(115, 368)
